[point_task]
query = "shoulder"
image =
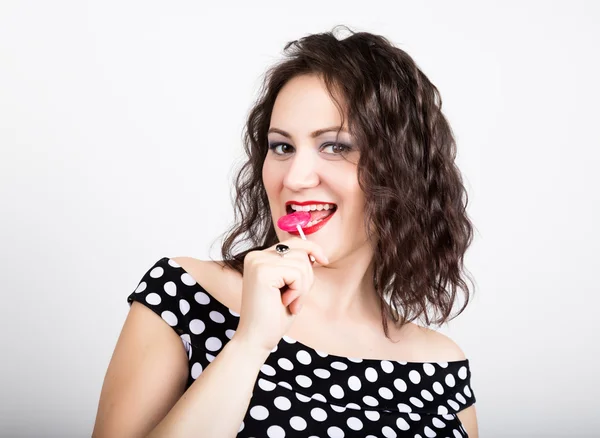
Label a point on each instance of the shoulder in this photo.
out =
(429, 345)
(221, 282)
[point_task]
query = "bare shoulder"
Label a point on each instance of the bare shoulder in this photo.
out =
(429, 345)
(220, 281)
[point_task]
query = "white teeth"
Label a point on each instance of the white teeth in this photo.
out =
(312, 207)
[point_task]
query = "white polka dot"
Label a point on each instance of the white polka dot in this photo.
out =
(323, 374)
(438, 423)
(442, 410)
(196, 370)
(354, 383)
(187, 279)
(427, 395)
(286, 385)
(402, 424)
(303, 357)
(286, 364)
(337, 408)
(387, 366)
(157, 272)
(265, 385)
(428, 432)
(197, 326)
(153, 298)
(353, 406)
(403, 407)
(372, 415)
(460, 398)
(462, 372)
(337, 391)
(282, 403)
(454, 405)
(319, 397)
(467, 391)
(335, 432)
(169, 317)
(321, 353)
(210, 357)
(184, 307)
(448, 417)
(339, 365)
(450, 380)
(170, 288)
(298, 423)
(275, 432)
(302, 397)
(355, 359)
(371, 374)
(274, 349)
(400, 385)
(241, 427)
(401, 362)
(438, 388)
(259, 412)
(429, 369)
(386, 393)
(174, 264)
(303, 381)
(318, 414)
(443, 364)
(371, 401)
(456, 433)
(268, 370)
(237, 315)
(388, 432)
(414, 417)
(186, 338)
(141, 287)
(229, 333)
(414, 376)
(418, 436)
(415, 401)
(201, 298)
(289, 340)
(217, 317)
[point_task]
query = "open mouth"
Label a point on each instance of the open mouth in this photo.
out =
(318, 213)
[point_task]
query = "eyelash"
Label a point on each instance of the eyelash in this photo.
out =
(346, 147)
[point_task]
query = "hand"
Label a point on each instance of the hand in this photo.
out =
(273, 290)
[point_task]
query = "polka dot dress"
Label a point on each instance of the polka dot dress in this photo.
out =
(302, 392)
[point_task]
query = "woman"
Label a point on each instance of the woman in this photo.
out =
(314, 337)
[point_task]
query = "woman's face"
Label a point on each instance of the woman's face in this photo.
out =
(304, 164)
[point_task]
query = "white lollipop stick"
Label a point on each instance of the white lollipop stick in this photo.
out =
(312, 259)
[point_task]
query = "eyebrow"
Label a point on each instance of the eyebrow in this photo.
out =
(313, 135)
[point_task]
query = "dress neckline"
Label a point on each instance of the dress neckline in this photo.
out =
(289, 340)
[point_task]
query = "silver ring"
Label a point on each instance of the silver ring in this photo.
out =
(282, 249)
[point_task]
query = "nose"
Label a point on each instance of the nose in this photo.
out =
(302, 172)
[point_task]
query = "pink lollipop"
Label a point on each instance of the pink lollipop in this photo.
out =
(295, 221)
(289, 222)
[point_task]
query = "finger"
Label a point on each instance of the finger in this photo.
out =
(311, 248)
(289, 296)
(296, 305)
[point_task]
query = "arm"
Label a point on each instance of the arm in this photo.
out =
(468, 418)
(146, 377)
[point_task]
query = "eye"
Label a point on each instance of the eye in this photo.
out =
(341, 148)
(337, 148)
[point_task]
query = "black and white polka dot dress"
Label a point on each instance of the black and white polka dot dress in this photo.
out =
(302, 392)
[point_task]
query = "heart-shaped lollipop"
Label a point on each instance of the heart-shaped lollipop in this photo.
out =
(290, 222)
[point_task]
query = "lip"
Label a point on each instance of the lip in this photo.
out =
(316, 227)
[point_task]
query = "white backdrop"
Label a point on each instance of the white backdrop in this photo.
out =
(120, 123)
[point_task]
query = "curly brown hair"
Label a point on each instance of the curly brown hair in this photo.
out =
(415, 199)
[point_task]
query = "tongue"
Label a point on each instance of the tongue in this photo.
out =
(320, 214)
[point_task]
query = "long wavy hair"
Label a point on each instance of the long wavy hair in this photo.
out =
(415, 199)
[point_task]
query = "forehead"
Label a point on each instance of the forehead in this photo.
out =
(304, 103)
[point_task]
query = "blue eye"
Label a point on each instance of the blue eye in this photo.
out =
(342, 148)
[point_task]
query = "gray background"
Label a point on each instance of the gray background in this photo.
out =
(120, 122)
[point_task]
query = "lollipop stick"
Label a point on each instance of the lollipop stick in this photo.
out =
(299, 228)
